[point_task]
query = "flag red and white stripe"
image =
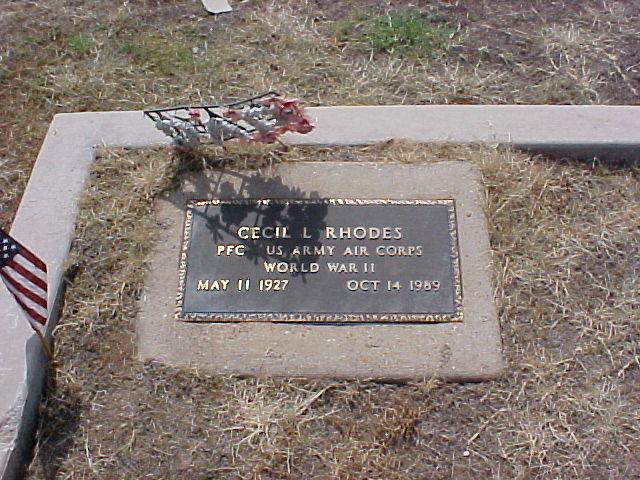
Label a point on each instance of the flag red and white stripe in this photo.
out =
(25, 276)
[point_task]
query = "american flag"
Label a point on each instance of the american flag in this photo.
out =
(25, 275)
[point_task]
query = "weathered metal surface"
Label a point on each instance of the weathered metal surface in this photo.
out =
(320, 260)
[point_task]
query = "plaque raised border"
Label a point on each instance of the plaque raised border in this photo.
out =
(332, 318)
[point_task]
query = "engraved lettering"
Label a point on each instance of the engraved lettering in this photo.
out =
(275, 250)
(363, 233)
(217, 285)
(272, 285)
(363, 285)
(230, 249)
(359, 233)
(369, 268)
(286, 267)
(393, 285)
(315, 250)
(342, 267)
(424, 285)
(256, 233)
(243, 233)
(330, 260)
(267, 232)
(355, 251)
(399, 251)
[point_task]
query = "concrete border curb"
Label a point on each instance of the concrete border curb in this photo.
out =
(582, 131)
(46, 216)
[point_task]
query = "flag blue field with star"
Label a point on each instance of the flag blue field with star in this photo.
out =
(25, 276)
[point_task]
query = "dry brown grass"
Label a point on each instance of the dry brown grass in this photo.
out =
(68, 55)
(566, 240)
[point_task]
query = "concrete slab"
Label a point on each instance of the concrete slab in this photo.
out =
(466, 351)
(46, 215)
(216, 6)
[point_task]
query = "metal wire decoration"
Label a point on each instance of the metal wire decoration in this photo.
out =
(257, 119)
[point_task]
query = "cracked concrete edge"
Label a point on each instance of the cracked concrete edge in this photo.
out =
(46, 216)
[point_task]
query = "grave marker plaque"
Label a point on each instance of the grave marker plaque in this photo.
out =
(320, 260)
(315, 314)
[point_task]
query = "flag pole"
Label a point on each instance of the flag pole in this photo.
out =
(45, 346)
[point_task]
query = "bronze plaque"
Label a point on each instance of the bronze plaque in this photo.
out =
(320, 260)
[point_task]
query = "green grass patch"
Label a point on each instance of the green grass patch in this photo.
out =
(164, 56)
(5, 75)
(80, 44)
(403, 33)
